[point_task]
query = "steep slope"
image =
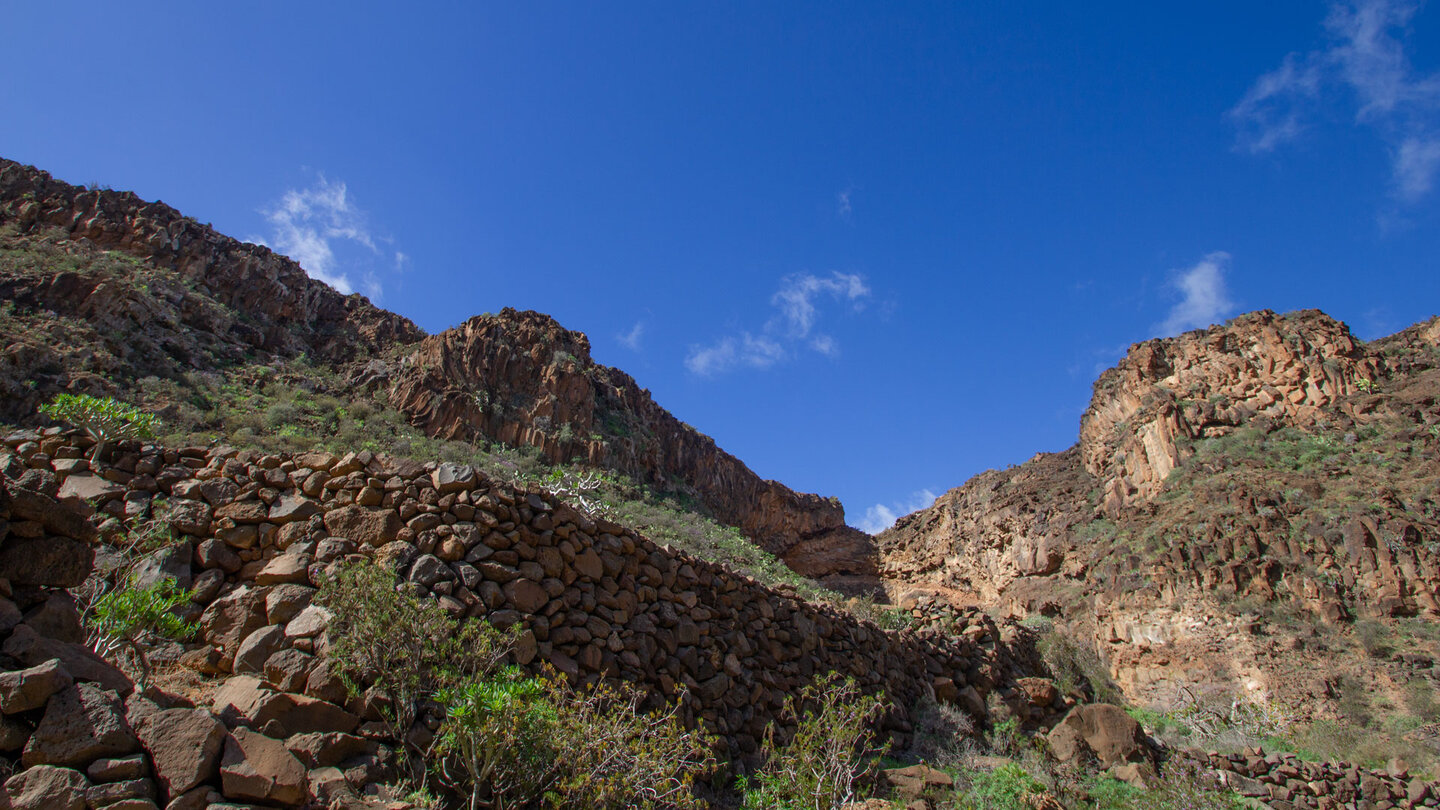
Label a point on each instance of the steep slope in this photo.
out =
(104, 291)
(1238, 497)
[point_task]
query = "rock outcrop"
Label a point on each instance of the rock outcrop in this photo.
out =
(1274, 461)
(1170, 391)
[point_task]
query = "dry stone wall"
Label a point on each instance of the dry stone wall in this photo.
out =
(1283, 781)
(594, 599)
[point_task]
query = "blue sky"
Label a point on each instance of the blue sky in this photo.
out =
(873, 249)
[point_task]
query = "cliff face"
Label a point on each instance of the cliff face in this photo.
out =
(1272, 467)
(522, 379)
(1203, 384)
(175, 297)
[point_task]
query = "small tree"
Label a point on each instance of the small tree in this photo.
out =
(103, 419)
(502, 732)
(120, 618)
(833, 742)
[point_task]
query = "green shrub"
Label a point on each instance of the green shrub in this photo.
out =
(943, 735)
(1420, 699)
(1179, 789)
(1375, 637)
(122, 617)
(1007, 787)
(501, 731)
(103, 419)
(831, 748)
(520, 738)
(405, 647)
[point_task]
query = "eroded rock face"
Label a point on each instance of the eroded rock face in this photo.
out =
(522, 379)
(1162, 575)
(998, 535)
(1206, 383)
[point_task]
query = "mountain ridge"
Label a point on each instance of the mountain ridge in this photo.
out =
(270, 306)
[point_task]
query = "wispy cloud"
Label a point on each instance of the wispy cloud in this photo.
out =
(842, 203)
(790, 329)
(310, 224)
(1364, 54)
(631, 339)
(1416, 162)
(1203, 297)
(1270, 112)
(880, 517)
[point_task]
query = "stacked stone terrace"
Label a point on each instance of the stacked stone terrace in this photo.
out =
(594, 599)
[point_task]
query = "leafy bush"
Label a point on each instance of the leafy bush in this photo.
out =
(831, 748)
(1007, 787)
(616, 756)
(520, 738)
(120, 618)
(405, 647)
(1179, 789)
(500, 729)
(103, 419)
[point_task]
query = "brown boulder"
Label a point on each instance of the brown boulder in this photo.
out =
(26, 689)
(81, 724)
(46, 787)
(58, 518)
(292, 507)
(286, 569)
(56, 562)
(245, 700)
(372, 527)
(189, 516)
(233, 617)
(451, 477)
(31, 650)
(259, 768)
(1100, 728)
(185, 746)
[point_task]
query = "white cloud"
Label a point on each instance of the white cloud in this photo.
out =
(631, 339)
(797, 294)
(1203, 297)
(880, 517)
(825, 345)
(798, 304)
(1365, 55)
(842, 203)
(1416, 163)
(1268, 115)
(708, 360)
(308, 225)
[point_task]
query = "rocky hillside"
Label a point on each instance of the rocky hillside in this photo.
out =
(1251, 511)
(106, 293)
